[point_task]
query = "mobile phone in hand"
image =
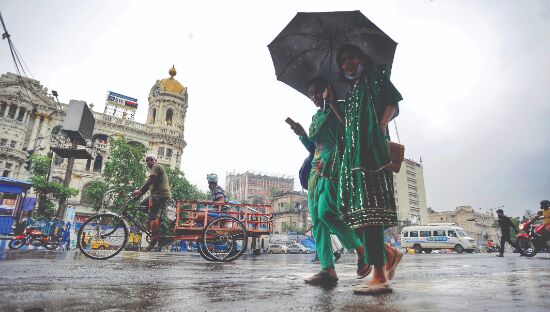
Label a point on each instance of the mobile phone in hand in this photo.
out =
(290, 122)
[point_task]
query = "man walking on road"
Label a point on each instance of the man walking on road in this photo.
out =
(505, 224)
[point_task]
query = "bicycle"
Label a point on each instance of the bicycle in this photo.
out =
(105, 235)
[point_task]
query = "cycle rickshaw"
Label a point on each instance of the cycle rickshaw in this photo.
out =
(221, 232)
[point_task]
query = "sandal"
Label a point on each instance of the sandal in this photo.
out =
(322, 278)
(363, 270)
(396, 260)
(365, 289)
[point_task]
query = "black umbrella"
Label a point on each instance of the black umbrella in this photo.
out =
(307, 47)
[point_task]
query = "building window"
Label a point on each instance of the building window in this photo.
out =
(8, 165)
(88, 164)
(3, 109)
(98, 163)
(168, 152)
(21, 114)
(3, 142)
(6, 173)
(11, 112)
(169, 114)
(12, 145)
(154, 115)
(161, 151)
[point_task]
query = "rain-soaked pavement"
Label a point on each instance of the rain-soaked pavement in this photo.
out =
(67, 281)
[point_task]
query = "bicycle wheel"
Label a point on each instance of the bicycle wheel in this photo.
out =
(224, 239)
(102, 236)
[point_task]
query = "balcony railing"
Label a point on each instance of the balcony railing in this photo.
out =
(13, 152)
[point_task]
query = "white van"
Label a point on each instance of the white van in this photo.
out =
(437, 236)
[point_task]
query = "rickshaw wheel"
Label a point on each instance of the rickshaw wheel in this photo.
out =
(224, 239)
(200, 247)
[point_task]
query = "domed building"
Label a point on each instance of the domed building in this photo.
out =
(31, 119)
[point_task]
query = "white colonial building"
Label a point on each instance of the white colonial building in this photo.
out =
(410, 193)
(31, 119)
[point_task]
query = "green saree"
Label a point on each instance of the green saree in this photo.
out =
(366, 193)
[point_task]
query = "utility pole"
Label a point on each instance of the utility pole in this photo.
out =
(67, 181)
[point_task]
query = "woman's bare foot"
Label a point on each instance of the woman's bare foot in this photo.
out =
(378, 276)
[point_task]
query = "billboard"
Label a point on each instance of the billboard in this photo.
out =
(120, 100)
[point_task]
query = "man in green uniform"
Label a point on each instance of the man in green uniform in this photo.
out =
(159, 189)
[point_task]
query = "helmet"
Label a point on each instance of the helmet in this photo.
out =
(545, 204)
(212, 177)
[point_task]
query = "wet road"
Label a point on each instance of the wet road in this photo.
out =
(67, 281)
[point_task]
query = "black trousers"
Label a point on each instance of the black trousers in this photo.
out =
(505, 238)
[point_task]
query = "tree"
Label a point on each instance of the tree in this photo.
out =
(95, 192)
(47, 190)
(182, 189)
(124, 172)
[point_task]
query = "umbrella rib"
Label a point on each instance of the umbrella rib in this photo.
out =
(306, 36)
(296, 57)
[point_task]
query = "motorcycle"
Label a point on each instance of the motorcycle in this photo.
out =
(533, 240)
(33, 236)
(490, 247)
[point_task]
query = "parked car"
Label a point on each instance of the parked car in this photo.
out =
(298, 248)
(277, 249)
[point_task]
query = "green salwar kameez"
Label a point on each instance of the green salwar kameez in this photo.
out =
(366, 194)
(322, 189)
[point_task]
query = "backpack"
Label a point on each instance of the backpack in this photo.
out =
(303, 174)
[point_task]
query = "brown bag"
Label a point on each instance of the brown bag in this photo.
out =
(397, 154)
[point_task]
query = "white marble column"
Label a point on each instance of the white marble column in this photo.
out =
(33, 133)
(17, 112)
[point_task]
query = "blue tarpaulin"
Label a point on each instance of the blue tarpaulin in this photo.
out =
(309, 243)
(9, 185)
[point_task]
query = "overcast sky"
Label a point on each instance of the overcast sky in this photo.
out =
(474, 76)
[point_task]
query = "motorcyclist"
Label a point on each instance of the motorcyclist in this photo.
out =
(545, 210)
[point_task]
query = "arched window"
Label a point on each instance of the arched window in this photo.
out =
(154, 115)
(57, 131)
(98, 163)
(100, 138)
(88, 164)
(169, 114)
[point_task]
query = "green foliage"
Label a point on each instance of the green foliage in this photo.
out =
(95, 194)
(182, 189)
(124, 172)
(47, 190)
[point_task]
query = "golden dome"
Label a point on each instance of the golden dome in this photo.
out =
(171, 84)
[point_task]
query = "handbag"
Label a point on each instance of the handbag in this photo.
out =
(396, 151)
(303, 174)
(397, 154)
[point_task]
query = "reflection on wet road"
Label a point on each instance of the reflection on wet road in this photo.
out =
(67, 281)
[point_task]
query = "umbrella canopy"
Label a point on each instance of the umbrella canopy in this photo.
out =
(307, 47)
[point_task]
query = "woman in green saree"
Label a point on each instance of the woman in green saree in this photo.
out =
(322, 188)
(366, 194)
